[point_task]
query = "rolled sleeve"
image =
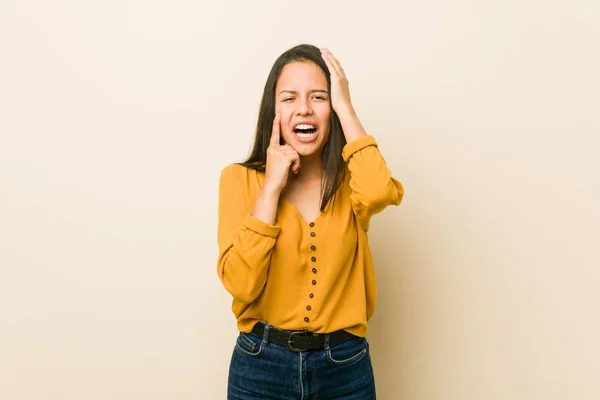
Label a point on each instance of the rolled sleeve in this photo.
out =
(357, 145)
(260, 227)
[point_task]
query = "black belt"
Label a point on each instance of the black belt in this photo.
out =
(301, 340)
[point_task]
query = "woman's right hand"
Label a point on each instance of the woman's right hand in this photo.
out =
(280, 159)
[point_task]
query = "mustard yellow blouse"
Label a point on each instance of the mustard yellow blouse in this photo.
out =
(295, 274)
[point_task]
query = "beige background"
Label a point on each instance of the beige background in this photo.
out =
(116, 118)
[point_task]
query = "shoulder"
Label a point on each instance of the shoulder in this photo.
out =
(238, 169)
(239, 175)
(233, 170)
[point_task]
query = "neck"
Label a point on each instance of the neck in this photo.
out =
(310, 169)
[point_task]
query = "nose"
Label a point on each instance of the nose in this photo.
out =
(304, 107)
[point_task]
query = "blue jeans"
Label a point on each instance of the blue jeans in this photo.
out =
(260, 370)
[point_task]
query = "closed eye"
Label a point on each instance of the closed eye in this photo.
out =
(316, 97)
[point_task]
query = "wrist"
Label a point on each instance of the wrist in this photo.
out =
(345, 111)
(351, 125)
(270, 191)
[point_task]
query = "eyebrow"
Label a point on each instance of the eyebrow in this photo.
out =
(312, 91)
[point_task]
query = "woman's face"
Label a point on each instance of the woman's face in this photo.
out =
(302, 100)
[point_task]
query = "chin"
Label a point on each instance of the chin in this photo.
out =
(307, 151)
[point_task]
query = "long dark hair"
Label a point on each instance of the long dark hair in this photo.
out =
(333, 166)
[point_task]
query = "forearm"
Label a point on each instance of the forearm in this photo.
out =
(243, 268)
(265, 208)
(351, 125)
(245, 256)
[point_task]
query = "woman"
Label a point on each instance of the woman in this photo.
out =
(292, 234)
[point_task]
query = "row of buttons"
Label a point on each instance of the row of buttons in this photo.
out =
(314, 270)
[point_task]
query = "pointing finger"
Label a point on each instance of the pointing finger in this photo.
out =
(275, 133)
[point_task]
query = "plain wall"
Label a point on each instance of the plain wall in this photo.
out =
(116, 118)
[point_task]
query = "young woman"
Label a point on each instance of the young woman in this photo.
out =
(292, 235)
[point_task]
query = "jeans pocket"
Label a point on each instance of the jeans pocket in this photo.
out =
(347, 352)
(249, 345)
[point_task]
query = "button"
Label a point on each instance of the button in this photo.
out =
(308, 308)
(311, 295)
(314, 282)
(313, 234)
(312, 224)
(306, 319)
(313, 259)
(313, 248)
(314, 270)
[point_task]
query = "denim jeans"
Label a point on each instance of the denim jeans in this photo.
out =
(260, 370)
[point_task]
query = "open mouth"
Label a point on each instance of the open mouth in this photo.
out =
(305, 132)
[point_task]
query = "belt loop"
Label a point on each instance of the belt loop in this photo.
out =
(327, 342)
(265, 338)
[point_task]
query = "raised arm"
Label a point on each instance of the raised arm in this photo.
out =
(247, 230)
(371, 182)
(245, 242)
(373, 187)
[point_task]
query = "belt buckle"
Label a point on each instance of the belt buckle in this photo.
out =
(290, 345)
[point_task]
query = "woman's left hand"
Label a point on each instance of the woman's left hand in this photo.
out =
(340, 88)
